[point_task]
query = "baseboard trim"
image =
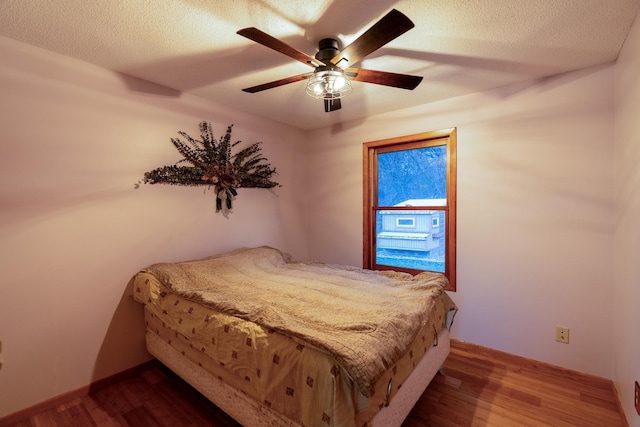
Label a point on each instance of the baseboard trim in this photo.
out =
(73, 394)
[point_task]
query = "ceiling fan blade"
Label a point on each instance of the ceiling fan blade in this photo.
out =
(273, 43)
(277, 83)
(402, 81)
(390, 26)
(332, 105)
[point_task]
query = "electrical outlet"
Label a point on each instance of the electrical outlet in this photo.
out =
(637, 398)
(562, 334)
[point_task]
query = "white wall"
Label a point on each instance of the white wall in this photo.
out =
(626, 319)
(535, 211)
(74, 139)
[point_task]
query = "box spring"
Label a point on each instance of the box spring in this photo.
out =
(249, 412)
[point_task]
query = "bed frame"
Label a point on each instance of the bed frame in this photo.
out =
(249, 412)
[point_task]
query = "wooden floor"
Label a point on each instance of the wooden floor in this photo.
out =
(481, 387)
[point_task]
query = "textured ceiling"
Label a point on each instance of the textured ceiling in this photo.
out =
(458, 46)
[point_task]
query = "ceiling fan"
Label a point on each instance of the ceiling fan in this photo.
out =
(331, 77)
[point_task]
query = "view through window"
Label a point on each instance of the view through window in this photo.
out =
(409, 208)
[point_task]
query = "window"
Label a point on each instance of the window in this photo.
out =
(406, 222)
(410, 204)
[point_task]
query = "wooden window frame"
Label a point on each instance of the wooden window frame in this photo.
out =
(370, 194)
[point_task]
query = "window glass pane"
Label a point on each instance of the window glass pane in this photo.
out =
(421, 247)
(408, 177)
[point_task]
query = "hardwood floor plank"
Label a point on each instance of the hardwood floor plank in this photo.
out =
(481, 387)
(141, 417)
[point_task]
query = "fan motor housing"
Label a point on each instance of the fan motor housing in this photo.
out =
(328, 49)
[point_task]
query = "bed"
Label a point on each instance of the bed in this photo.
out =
(273, 341)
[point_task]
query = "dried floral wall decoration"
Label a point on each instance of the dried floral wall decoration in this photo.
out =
(212, 164)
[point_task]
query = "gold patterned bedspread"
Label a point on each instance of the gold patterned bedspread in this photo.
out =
(299, 379)
(365, 319)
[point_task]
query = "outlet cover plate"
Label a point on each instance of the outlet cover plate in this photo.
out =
(562, 334)
(637, 398)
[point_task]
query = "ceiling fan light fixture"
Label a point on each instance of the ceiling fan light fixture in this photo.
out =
(328, 84)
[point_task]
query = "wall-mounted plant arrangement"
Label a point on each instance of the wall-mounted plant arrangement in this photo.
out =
(211, 163)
